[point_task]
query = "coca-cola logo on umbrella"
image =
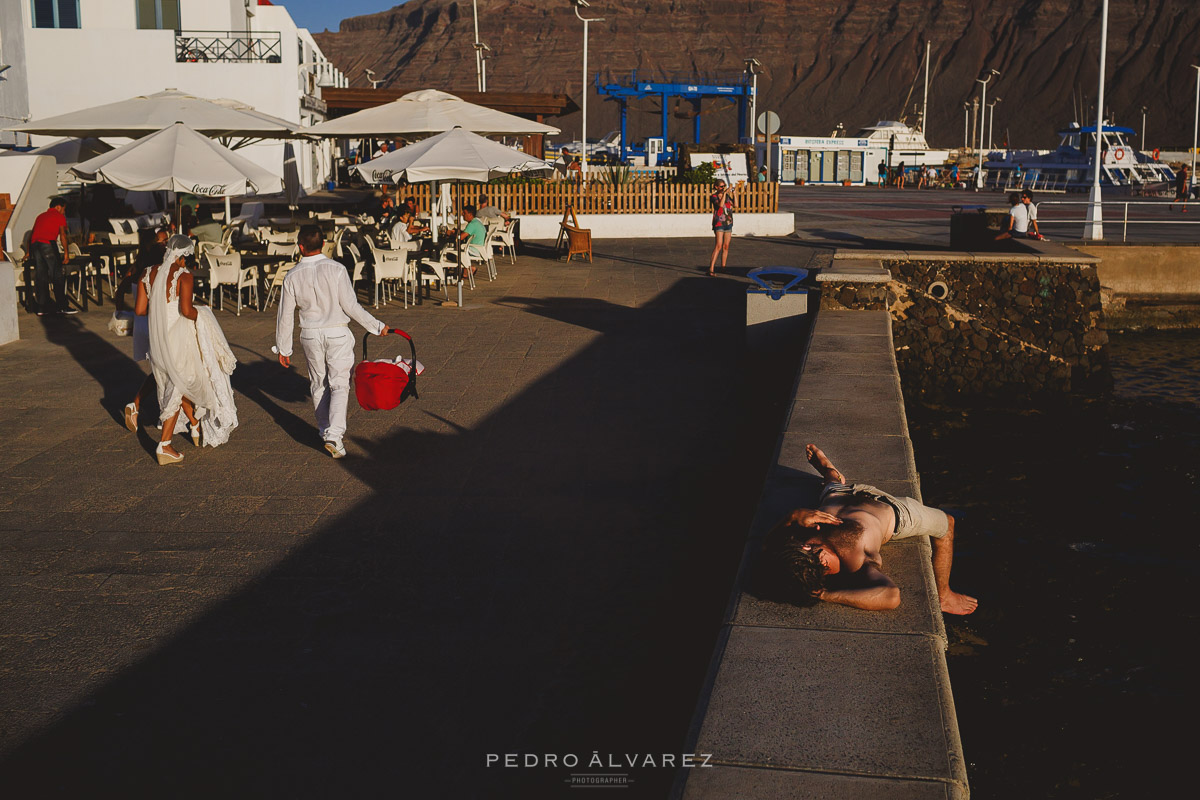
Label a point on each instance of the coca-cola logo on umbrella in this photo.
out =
(210, 191)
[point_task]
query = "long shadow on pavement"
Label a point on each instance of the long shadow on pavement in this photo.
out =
(550, 580)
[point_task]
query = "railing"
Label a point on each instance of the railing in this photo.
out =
(1139, 218)
(598, 198)
(260, 47)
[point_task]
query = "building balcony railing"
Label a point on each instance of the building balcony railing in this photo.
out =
(259, 47)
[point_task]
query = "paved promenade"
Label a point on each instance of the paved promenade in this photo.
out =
(532, 558)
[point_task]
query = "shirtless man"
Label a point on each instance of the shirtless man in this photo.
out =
(831, 553)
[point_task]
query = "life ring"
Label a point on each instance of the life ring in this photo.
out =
(1119, 154)
(1156, 154)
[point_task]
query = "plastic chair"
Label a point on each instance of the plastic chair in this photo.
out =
(282, 249)
(224, 269)
(357, 263)
(505, 239)
(391, 265)
(276, 287)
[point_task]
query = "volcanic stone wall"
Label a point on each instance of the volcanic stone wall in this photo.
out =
(980, 325)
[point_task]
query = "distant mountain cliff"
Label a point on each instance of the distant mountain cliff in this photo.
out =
(825, 62)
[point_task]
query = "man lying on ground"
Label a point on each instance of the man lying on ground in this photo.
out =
(832, 553)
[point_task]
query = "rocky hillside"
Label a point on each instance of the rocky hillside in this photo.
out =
(825, 62)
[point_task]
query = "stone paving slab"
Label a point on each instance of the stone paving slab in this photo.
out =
(854, 716)
(535, 554)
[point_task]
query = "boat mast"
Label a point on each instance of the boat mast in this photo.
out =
(925, 105)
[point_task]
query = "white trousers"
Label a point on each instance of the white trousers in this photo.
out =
(330, 354)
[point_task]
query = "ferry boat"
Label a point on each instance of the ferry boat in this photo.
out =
(903, 144)
(1069, 168)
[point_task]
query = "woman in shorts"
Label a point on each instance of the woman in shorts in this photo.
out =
(722, 203)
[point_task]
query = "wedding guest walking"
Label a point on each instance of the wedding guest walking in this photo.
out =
(190, 358)
(320, 288)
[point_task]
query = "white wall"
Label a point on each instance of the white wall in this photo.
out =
(14, 84)
(109, 59)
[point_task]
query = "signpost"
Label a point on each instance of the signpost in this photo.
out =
(768, 123)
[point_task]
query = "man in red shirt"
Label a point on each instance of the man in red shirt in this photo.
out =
(49, 232)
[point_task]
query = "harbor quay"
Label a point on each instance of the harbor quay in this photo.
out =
(531, 557)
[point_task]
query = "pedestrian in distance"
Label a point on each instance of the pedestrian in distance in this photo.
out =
(722, 223)
(48, 241)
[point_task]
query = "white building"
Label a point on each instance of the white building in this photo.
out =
(66, 55)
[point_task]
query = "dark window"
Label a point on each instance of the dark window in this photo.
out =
(56, 13)
(158, 14)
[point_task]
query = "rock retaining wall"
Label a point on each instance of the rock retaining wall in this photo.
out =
(991, 325)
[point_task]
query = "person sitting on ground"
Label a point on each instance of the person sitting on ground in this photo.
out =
(832, 552)
(1034, 231)
(1018, 218)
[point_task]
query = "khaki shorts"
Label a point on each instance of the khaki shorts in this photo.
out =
(912, 518)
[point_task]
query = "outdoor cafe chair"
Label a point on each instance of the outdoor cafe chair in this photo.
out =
(276, 287)
(281, 249)
(357, 263)
(225, 269)
(504, 239)
(391, 265)
(79, 265)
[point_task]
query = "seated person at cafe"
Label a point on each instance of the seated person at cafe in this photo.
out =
(489, 211)
(410, 203)
(474, 232)
(206, 230)
(406, 228)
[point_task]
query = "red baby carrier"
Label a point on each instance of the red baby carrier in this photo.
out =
(383, 385)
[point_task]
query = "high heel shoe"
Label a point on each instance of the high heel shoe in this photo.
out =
(164, 457)
(131, 415)
(197, 433)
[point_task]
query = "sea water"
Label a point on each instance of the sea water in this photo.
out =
(1077, 530)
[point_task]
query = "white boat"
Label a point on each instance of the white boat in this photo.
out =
(1069, 167)
(904, 144)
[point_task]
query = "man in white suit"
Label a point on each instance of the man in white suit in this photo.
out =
(320, 288)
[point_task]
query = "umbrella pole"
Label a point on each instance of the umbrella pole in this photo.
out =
(228, 211)
(458, 244)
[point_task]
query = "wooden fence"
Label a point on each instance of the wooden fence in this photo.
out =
(599, 198)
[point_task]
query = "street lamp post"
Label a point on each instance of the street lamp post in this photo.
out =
(1195, 127)
(1095, 228)
(583, 136)
(752, 66)
(979, 169)
(480, 52)
(966, 124)
(991, 109)
(1143, 129)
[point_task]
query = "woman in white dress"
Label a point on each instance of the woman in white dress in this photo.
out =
(188, 354)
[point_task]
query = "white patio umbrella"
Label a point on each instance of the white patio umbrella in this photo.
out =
(179, 159)
(427, 111)
(456, 155)
(139, 116)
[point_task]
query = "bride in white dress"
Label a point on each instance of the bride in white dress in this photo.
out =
(190, 358)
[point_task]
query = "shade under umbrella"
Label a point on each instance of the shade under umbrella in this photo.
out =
(427, 111)
(456, 155)
(179, 159)
(146, 114)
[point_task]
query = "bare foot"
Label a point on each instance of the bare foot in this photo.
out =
(955, 603)
(823, 465)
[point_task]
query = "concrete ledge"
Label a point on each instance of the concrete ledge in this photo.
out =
(657, 226)
(1038, 252)
(9, 329)
(833, 701)
(859, 270)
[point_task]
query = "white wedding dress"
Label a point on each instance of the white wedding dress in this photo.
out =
(189, 359)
